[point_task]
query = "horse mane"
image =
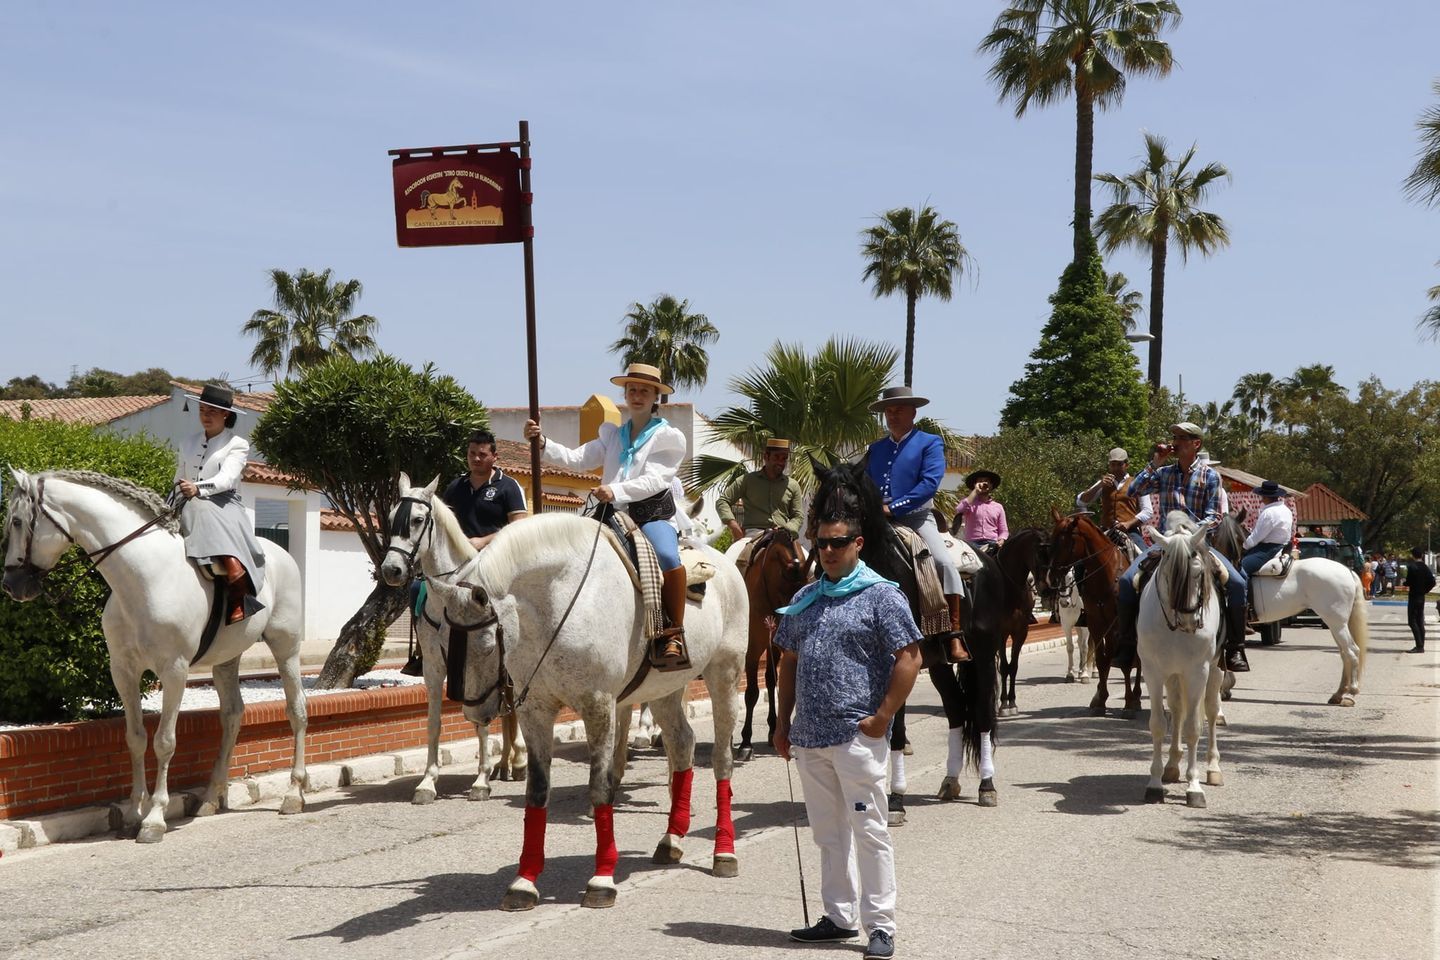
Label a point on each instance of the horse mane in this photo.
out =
(144, 498)
(524, 546)
(1172, 575)
(1178, 521)
(449, 525)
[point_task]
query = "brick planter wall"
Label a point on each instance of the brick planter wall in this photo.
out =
(44, 769)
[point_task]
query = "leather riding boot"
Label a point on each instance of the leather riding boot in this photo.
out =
(955, 649)
(237, 585)
(669, 652)
(1235, 660)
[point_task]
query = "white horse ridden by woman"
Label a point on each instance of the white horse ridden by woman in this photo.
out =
(1177, 630)
(153, 620)
(423, 530)
(1334, 592)
(561, 619)
(1079, 659)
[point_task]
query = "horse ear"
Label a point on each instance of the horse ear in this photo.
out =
(1240, 515)
(1197, 539)
(404, 483)
(433, 486)
(1055, 514)
(1156, 535)
(816, 467)
(22, 479)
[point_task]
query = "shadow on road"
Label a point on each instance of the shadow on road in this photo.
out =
(727, 934)
(1405, 838)
(1093, 796)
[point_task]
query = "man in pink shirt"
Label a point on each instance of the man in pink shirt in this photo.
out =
(984, 517)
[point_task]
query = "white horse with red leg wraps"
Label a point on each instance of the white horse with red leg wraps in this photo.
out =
(154, 618)
(558, 615)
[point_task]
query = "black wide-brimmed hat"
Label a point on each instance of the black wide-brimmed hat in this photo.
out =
(214, 395)
(978, 475)
(1270, 489)
(897, 396)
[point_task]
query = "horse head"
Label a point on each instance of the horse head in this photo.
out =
(1182, 578)
(412, 522)
(34, 537)
(845, 489)
(1068, 545)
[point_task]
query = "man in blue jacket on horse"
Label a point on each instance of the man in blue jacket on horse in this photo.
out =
(908, 465)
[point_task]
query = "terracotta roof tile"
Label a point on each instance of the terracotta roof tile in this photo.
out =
(257, 472)
(91, 410)
(1323, 505)
(515, 458)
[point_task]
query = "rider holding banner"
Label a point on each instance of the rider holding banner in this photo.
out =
(907, 466)
(639, 460)
(1194, 488)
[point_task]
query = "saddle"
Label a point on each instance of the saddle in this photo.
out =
(1276, 566)
(967, 558)
(931, 611)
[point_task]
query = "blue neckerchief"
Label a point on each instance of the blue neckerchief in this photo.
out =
(860, 578)
(627, 448)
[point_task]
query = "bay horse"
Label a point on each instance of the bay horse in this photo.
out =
(1177, 633)
(1076, 543)
(968, 691)
(775, 572)
(154, 618)
(1325, 586)
(559, 623)
(424, 532)
(1024, 556)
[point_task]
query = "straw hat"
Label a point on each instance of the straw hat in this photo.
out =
(643, 373)
(775, 443)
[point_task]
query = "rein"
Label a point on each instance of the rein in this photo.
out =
(1093, 555)
(93, 558)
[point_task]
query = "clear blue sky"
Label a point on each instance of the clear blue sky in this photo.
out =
(160, 158)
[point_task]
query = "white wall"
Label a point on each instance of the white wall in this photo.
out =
(341, 564)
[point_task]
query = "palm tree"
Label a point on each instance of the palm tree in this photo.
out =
(666, 335)
(1212, 417)
(1117, 288)
(311, 321)
(1303, 392)
(820, 403)
(1047, 49)
(1423, 186)
(1157, 204)
(1258, 396)
(917, 253)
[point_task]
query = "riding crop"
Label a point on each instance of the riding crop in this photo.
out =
(799, 866)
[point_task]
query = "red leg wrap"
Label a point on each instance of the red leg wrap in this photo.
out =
(605, 852)
(724, 826)
(680, 802)
(532, 854)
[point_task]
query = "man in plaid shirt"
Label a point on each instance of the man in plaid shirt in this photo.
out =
(1194, 488)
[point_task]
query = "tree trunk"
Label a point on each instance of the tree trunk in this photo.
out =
(1159, 248)
(910, 297)
(362, 637)
(1084, 161)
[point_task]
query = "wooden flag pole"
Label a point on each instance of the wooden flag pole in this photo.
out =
(536, 503)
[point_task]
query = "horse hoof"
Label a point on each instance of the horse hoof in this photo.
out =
(477, 792)
(208, 809)
(291, 805)
(599, 894)
(128, 831)
(895, 810)
(640, 741)
(745, 753)
(1171, 775)
(522, 895)
(1214, 778)
(725, 865)
(1347, 701)
(1154, 794)
(988, 796)
(1220, 720)
(1195, 798)
(151, 833)
(1226, 695)
(1334, 701)
(909, 751)
(1071, 678)
(517, 774)
(667, 851)
(1097, 709)
(949, 789)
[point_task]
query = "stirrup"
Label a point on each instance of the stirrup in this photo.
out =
(956, 650)
(668, 652)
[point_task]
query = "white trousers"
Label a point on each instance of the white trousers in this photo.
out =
(844, 789)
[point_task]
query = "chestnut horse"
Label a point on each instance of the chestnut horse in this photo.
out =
(776, 570)
(1076, 542)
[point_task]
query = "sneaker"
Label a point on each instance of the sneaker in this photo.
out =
(882, 946)
(824, 931)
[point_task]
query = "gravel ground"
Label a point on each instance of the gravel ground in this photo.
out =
(254, 691)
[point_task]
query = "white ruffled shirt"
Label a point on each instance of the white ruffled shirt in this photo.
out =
(214, 464)
(651, 471)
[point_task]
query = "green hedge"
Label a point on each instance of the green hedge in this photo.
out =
(53, 662)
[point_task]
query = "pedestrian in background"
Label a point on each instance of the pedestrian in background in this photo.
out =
(849, 654)
(1419, 580)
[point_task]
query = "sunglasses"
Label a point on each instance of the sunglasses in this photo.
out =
(834, 543)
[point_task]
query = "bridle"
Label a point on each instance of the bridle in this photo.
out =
(1070, 534)
(399, 527)
(93, 557)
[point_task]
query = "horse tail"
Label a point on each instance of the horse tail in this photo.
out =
(1359, 623)
(424, 199)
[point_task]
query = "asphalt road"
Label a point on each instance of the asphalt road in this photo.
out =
(1324, 842)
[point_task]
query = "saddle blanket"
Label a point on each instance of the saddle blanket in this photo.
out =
(645, 573)
(967, 561)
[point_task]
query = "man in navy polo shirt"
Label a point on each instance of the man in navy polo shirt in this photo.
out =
(487, 498)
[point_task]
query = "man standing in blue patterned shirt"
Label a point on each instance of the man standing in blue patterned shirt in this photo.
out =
(849, 655)
(1193, 487)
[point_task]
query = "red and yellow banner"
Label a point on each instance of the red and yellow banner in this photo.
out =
(458, 199)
